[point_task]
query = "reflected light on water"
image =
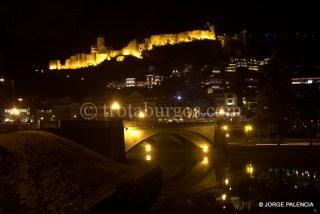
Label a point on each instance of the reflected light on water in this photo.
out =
(148, 158)
(148, 148)
(225, 127)
(205, 148)
(249, 169)
(226, 181)
(224, 197)
(133, 133)
(205, 161)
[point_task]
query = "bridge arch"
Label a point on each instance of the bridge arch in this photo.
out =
(135, 136)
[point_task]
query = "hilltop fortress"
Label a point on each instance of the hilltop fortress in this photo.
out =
(100, 53)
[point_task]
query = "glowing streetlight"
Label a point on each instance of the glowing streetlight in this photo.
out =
(224, 197)
(249, 169)
(20, 99)
(248, 128)
(148, 158)
(205, 161)
(2, 80)
(225, 127)
(141, 115)
(205, 148)
(221, 112)
(148, 148)
(14, 111)
(115, 106)
(226, 181)
(227, 135)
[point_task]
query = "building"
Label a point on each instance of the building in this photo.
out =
(214, 84)
(251, 64)
(17, 115)
(153, 80)
(306, 87)
(130, 82)
(305, 81)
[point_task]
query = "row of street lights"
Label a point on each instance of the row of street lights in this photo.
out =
(247, 130)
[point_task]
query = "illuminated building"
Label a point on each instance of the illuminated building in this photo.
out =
(100, 53)
(153, 80)
(44, 114)
(305, 80)
(140, 84)
(213, 84)
(250, 64)
(230, 99)
(306, 85)
(130, 82)
(17, 115)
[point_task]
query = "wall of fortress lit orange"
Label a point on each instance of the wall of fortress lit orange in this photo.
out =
(100, 53)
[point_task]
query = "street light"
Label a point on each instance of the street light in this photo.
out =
(205, 161)
(148, 158)
(248, 128)
(14, 111)
(225, 127)
(226, 181)
(115, 106)
(249, 169)
(205, 148)
(221, 112)
(224, 197)
(148, 148)
(2, 80)
(141, 115)
(20, 99)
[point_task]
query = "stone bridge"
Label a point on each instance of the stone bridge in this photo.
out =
(199, 133)
(113, 138)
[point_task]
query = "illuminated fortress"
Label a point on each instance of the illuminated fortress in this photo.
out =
(100, 53)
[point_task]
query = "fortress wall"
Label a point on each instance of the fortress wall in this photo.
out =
(100, 53)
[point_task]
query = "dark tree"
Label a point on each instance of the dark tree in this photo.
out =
(275, 102)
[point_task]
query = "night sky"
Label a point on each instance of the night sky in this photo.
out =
(32, 32)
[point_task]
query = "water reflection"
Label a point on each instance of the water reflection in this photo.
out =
(148, 157)
(201, 180)
(249, 169)
(205, 160)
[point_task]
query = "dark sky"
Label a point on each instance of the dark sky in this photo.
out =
(33, 31)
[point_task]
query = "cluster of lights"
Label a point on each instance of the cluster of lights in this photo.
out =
(205, 160)
(226, 128)
(205, 150)
(115, 106)
(249, 169)
(148, 149)
(226, 181)
(221, 112)
(248, 128)
(14, 111)
(141, 115)
(148, 158)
